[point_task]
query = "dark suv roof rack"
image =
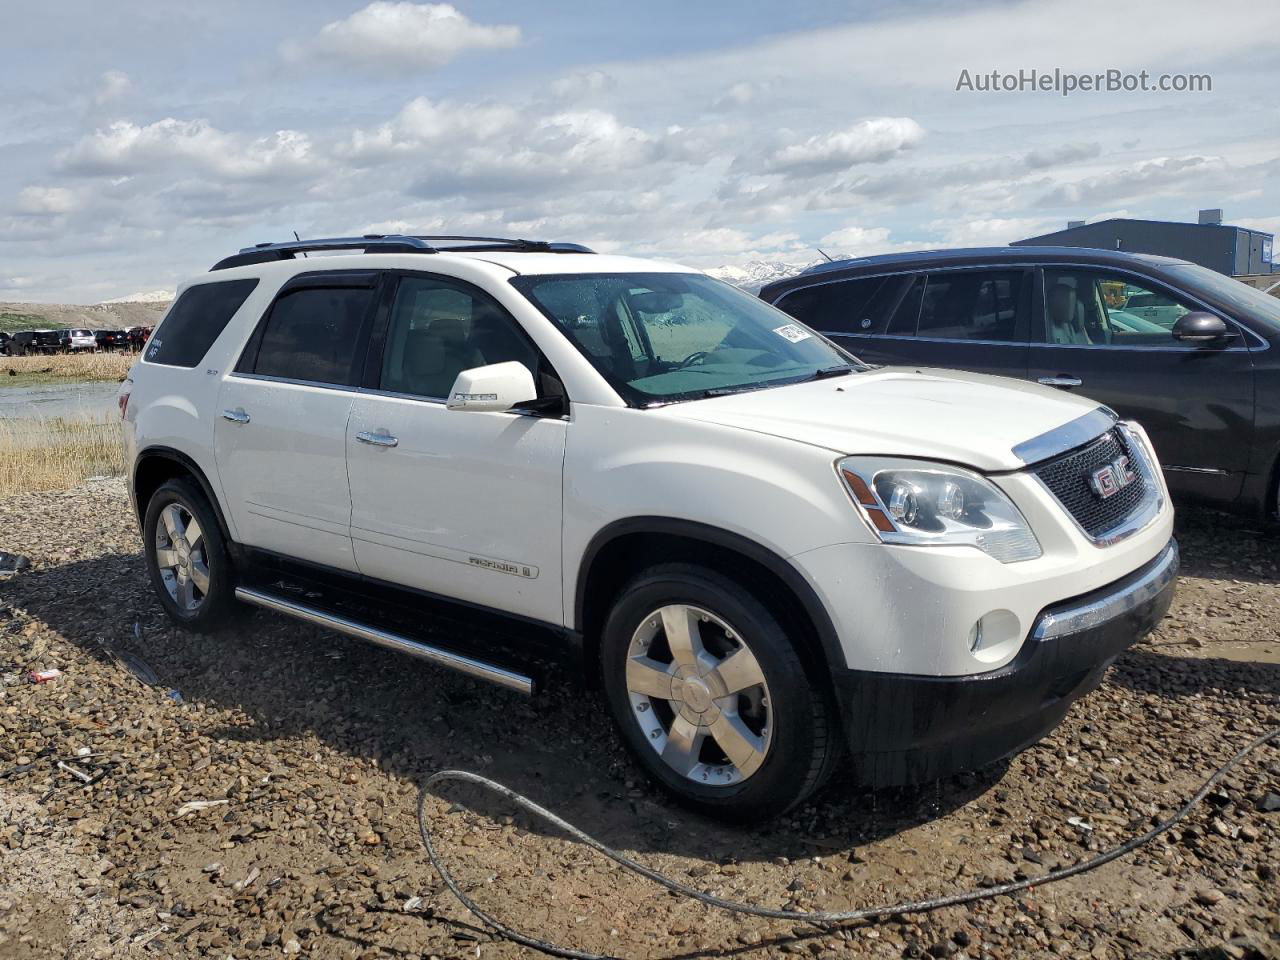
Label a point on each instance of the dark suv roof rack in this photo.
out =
(392, 243)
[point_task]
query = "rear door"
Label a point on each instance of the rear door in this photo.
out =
(280, 438)
(1107, 334)
(975, 319)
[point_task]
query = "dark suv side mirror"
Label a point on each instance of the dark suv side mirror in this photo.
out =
(1200, 326)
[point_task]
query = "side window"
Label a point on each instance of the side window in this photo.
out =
(195, 320)
(977, 305)
(861, 305)
(1096, 308)
(907, 310)
(438, 328)
(311, 334)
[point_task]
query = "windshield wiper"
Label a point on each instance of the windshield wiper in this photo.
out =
(827, 372)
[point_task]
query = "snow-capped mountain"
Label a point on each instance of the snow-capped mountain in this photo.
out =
(149, 296)
(754, 274)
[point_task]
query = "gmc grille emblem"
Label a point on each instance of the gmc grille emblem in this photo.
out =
(1109, 480)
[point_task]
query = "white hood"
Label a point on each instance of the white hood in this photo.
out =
(965, 418)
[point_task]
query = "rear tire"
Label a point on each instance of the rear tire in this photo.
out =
(187, 557)
(729, 721)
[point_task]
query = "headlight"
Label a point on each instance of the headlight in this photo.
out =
(926, 504)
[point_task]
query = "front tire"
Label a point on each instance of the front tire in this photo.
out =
(187, 557)
(711, 697)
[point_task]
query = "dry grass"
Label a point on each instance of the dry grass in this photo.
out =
(53, 368)
(57, 453)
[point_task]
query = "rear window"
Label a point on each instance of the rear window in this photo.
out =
(195, 320)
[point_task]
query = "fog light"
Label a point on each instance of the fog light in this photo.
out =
(975, 637)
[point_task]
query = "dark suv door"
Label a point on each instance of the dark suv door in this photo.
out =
(1195, 400)
(975, 319)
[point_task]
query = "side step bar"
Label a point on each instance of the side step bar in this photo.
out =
(392, 641)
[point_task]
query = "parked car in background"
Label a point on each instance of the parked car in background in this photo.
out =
(111, 339)
(5, 340)
(26, 342)
(766, 554)
(1190, 353)
(137, 337)
(74, 341)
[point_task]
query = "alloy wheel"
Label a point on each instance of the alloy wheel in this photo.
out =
(699, 695)
(180, 555)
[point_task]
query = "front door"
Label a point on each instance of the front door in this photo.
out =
(281, 429)
(1108, 335)
(463, 504)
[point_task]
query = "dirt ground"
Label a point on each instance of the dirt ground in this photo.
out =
(311, 747)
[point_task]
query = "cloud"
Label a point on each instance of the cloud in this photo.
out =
(45, 201)
(1142, 180)
(1057, 156)
(124, 149)
(582, 83)
(991, 231)
(870, 141)
(112, 85)
(390, 36)
(742, 94)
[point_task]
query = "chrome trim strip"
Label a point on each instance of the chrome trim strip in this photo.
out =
(1104, 609)
(916, 338)
(392, 641)
(1213, 471)
(1070, 435)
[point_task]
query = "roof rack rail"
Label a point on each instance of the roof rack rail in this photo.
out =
(391, 243)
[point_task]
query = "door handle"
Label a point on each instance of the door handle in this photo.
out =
(379, 439)
(1061, 381)
(235, 416)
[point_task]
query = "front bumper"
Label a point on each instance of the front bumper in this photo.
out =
(905, 728)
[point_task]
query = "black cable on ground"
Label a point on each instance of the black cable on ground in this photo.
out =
(815, 917)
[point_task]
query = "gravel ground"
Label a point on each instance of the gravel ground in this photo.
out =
(309, 748)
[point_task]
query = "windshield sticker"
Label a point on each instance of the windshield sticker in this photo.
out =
(789, 331)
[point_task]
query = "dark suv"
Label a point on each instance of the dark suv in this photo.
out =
(25, 342)
(1190, 353)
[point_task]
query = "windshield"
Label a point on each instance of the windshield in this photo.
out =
(663, 337)
(1231, 292)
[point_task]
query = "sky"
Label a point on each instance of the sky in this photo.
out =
(142, 141)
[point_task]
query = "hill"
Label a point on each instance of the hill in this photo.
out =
(98, 316)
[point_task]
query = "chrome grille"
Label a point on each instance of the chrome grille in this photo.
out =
(1067, 478)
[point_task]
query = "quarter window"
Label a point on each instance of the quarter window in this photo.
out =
(976, 305)
(1095, 308)
(439, 328)
(311, 334)
(194, 321)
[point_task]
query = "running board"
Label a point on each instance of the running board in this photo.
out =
(392, 641)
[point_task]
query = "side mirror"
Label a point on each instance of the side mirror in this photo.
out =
(497, 387)
(1199, 326)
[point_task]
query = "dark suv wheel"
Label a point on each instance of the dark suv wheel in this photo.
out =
(711, 697)
(187, 557)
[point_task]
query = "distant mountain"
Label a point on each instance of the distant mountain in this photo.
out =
(754, 274)
(151, 296)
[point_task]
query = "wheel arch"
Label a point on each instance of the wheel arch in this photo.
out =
(157, 464)
(624, 547)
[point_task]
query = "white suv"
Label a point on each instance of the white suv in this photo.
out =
(767, 554)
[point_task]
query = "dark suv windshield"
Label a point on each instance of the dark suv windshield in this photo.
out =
(661, 337)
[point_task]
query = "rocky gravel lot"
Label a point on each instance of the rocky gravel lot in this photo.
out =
(266, 807)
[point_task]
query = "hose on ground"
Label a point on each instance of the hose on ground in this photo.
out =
(811, 917)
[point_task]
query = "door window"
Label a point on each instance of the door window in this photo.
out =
(977, 305)
(312, 334)
(861, 305)
(439, 328)
(1095, 308)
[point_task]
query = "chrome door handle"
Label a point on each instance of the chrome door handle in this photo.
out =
(1061, 381)
(380, 439)
(235, 416)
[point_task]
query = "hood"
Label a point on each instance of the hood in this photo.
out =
(966, 418)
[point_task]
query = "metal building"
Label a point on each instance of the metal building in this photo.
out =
(1235, 251)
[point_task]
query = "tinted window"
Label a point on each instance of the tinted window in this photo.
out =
(195, 320)
(976, 305)
(311, 333)
(907, 312)
(438, 329)
(1096, 308)
(858, 305)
